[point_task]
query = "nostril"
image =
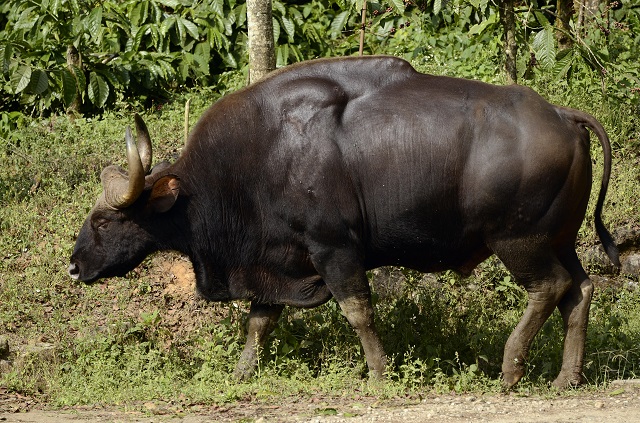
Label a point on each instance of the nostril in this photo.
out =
(74, 271)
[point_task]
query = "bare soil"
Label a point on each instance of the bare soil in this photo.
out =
(619, 403)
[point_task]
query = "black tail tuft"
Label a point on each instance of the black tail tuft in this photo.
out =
(608, 243)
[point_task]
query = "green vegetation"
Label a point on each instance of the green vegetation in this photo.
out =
(133, 339)
(54, 56)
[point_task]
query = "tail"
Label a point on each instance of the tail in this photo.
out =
(586, 120)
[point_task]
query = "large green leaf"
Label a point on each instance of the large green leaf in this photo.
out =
(218, 7)
(217, 40)
(159, 71)
(93, 23)
(229, 60)
(289, 27)
(276, 28)
(27, 20)
(483, 4)
(399, 5)
(241, 14)
(545, 48)
(191, 28)
(167, 24)
(138, 36)
(20, 79)
(6, 52)
(39, 82)
(480, 27)
(182, 31)
(139, 13)
(279, 6)
(110, 77)
(296, 16)
(202, 56)
(306, 11)
(282, 55)
(228, 26)
(98, 90)
(438, 5)
(80, 79)
(563, 65)
(339, 22)
(122, 75)
(69, 87)
(542, 19)
(54, 6)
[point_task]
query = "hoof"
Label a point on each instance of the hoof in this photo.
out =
(376, 375)
(509, 382)
(511, 373)
(565, 381)
(242, 373)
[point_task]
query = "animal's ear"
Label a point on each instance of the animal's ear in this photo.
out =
(164, 194)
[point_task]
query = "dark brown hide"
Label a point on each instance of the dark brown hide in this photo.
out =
(289, 190)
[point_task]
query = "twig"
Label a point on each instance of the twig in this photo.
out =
(186, 121)
(364, 23)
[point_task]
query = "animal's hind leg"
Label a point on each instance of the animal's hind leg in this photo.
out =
(574, 308)
(536, 267)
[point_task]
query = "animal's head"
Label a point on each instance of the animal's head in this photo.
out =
(122, 228)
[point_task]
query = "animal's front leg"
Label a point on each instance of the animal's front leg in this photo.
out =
(262, 319)
(344, 274)
(359, 313)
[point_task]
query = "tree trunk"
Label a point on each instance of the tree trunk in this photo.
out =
(507, 19)
(262, 56)
(564, 9)
(74, 62)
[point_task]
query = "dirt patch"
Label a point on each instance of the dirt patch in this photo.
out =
(619, 403)
(178, 272)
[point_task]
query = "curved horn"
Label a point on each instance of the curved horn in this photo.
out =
(120, 190)
(144, 143)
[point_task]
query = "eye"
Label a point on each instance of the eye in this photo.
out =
(101, 222)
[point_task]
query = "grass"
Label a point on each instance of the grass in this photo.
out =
(128, 340)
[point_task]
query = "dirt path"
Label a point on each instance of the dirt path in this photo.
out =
(620, 403)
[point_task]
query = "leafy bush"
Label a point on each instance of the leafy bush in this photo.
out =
(55, 55)
(606, 46)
